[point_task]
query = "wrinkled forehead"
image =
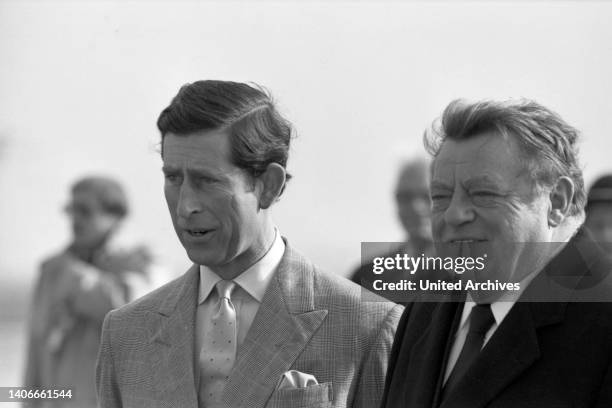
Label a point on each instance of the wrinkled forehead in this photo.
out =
(488, 156)
(205, 149)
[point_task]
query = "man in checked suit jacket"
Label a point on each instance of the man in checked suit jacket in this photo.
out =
(506, 182)
(304, 338)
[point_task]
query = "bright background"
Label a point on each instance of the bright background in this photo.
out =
(82, 83)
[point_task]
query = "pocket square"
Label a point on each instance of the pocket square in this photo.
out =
(296, 379)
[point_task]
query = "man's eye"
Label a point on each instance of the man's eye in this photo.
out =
(172, 178)
(483, 194)
(438, 197)
(439, 201)
(207, 180)
(485, 198)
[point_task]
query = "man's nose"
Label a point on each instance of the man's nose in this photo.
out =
(460, 210)
(188, 201)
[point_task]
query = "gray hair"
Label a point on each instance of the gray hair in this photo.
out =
(547, 141)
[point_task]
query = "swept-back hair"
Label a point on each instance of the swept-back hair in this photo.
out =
(258, 134)
(548, 143)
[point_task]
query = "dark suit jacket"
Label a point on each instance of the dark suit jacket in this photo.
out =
(544, 354)
(308, 321)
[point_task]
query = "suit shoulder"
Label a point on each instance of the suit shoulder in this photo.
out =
(344, 296)
(151, 301)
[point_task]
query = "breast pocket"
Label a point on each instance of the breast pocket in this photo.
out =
(315, 396)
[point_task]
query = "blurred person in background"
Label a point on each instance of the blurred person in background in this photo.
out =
(414, 212)
(599, 212)
(75, 290)
(414, 205)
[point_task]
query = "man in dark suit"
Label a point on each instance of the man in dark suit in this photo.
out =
(252, 323)
(506, 182)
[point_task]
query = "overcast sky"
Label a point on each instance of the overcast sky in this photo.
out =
(82, 83)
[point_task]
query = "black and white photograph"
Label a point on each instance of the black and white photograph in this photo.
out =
(249, 204)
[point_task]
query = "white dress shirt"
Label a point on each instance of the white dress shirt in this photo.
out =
(500, 310)
(251, 285)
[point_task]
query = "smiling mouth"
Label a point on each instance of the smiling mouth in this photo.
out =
(198, 232)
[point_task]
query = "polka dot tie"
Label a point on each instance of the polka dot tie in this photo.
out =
(218, 352)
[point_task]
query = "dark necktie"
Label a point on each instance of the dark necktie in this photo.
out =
(481, 319)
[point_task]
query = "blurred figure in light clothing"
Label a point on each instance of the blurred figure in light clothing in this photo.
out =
(76, 288)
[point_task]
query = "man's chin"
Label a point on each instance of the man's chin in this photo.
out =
(205, 258)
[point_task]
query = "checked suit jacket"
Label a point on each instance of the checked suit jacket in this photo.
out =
(308, 321)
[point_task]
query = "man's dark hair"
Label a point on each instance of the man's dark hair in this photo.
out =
(108, 192)
(547, 141)
(258, 134)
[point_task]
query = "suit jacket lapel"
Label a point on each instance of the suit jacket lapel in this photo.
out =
(514, 347)
(512, 350)
(171, 354)
(285, 322)
(426, 360)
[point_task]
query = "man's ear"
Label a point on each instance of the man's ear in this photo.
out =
(561, 196)
(271, 183)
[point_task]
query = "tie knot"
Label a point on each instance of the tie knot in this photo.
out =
(481, 319)
(225, 288)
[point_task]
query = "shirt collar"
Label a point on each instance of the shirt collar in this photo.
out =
(499, 310)
(502, 306)
(254, 280)
(208, 280)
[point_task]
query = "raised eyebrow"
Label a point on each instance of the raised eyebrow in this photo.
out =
(169, 169)
(206, 173)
